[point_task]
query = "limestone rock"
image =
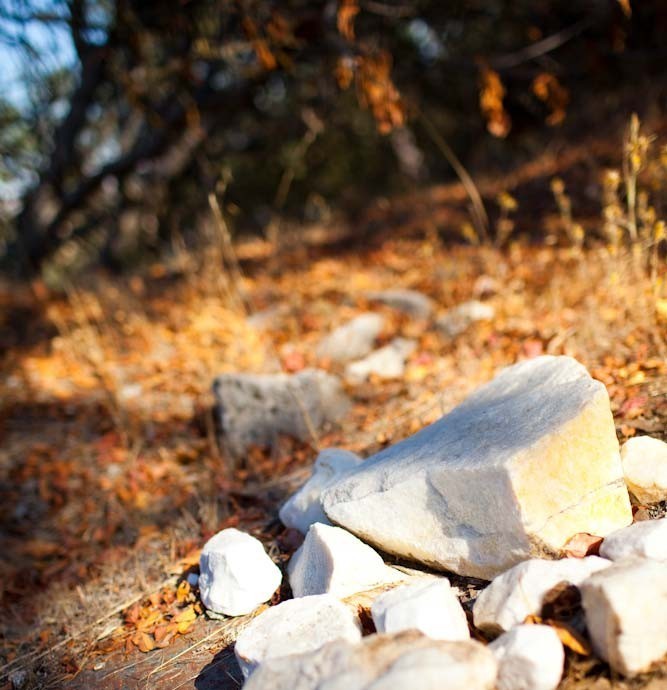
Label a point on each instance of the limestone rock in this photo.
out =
(431, 607)
(387, 363)
(352, 340)
(401, 661)
(520, 591)
(303, 508)
(647, 539)
(254, 409)
(411, 302)
(459, 318)
(295, 626)
(645, 468)
(335, 561)
(236, 575)
(626, 614)
(530, 657)
(516, 470)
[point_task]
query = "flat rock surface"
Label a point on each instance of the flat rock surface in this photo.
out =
(462, 493)
(403, 661)
(254, 409)
(626, 614)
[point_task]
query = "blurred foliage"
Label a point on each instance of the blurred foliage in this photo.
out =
(306, 105)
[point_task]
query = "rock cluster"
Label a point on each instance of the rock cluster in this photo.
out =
(494, 490)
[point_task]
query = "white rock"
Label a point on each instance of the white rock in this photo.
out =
(402, 661)
(645, 468)
(352, 340)
(646, 539)
(530, 657)
(626, 614)
(303, 508)
(236, 575)
(411, 302)
(524, 464)
(295, 626)
(520, 591)
(335, 561)
(387, 363)
(431, 607)
(459, 318)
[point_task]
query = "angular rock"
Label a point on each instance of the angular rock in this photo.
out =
(411, 302)
(236, 575)
(352, 340)
(402, 661)
(646, 539)
(525, 463)
(459, 318)
(530, 657)
(645, 468)
(626, 614)
(254, 409)
(387, 363)
(303, 508)
(431, 607)
(333, 561)
(295, 626)
(520, 591)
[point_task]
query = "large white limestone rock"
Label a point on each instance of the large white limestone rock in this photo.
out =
(646, 539)
(236, 575)
(333, 561)
(519, 592)
(645, 468)
(430, 606)
(303, 508)
(295, 626)
(353, 339)
(516, 470)
(402, 661)
(530, 657)
(626, 614)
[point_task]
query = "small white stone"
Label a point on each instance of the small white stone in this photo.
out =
(645, 468)
(646, 539)
(387, 363)
(353, 339)
(399, 661)
(293, 627)
(303, 508)
(331, 560)
(626, 614)
(530, 657)
(236, 575)
(519, 592)
(456, 320)
(431, 607)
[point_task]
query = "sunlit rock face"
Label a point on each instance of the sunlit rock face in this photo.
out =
(526, 462)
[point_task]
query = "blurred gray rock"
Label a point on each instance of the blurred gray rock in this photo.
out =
(459, 318)
(387, 363)
(255, 408)
(352, 340)
(411, 302)
(402, 661)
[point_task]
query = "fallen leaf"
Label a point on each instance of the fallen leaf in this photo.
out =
(583, 544)
(571, 638)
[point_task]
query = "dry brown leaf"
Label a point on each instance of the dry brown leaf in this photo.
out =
(347, 11)
(571, 638)
(143, 641)
(583, 544)
(491, 95)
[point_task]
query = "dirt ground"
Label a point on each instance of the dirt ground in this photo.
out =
(111, 476)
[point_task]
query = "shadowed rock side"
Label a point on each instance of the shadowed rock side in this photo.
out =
(522, 465)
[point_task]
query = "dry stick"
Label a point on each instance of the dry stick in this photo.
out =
(480, 217)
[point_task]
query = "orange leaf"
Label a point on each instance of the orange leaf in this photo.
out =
(347, 11)
(143, 641)
(183, 592)
(571, 638)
